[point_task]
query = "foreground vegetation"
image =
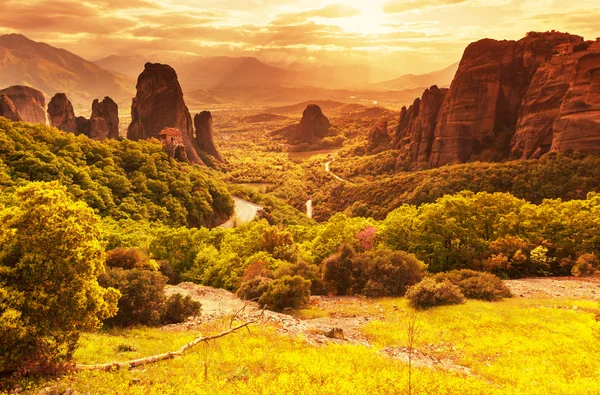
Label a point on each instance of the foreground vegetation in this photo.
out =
(512, 347)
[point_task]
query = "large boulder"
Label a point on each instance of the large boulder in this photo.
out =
(8, 109)
(313, 126)
(203, 123)
(30, 103)
(104, 122)
(159, 104)
(61, 114)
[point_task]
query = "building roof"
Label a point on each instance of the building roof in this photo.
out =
(170, 132)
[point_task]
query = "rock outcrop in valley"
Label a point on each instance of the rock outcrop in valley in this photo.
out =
(61, 114)
(30, 103)
(203, 123)
(159, 104)
(313, 126)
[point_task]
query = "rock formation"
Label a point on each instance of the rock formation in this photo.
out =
(61, 114)
(159, 104)
(30, 103)
(509, 99)
(83, 125)
(313, 126)
(378, 137)
(203, 123)
(417, 124)
(8, 109)
(104, 122)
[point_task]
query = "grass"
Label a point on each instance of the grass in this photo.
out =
(518, 346)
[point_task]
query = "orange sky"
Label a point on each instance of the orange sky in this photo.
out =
(400, 35)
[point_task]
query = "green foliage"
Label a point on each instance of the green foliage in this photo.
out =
(142, 296)
(376, 273)
(121, 179)
(286, 292)
(476, 285)
(50, 257)
(254, 288)
(586, 265)
(129, 258)
(178, 308)
(430, 293)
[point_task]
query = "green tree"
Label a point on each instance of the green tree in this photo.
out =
(50, 258)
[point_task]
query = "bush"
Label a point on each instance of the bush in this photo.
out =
(253, 289)
(178, 308)
(586, 265)
(306, 271)
(50, 257)
(390, 273)
(129, 258)
(337, 271)
(286, 292)
(143, 299)
(166, 269)
(430, 293)
(476, 285)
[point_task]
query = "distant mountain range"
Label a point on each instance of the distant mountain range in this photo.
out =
(205, 81)
(52, 70)
(441, 78)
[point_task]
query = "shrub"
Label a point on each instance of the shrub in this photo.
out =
(476, 285)
(306, 271)
(178, 308)
(286, 292)
(586, 265)
(128, 258)
(143, 299)
(253, 289)
(50, 257)
(391, 273)
(338, 271)
(430, 293)
(166, 269)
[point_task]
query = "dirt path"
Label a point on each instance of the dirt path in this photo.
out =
(556, 287)
(218, 304)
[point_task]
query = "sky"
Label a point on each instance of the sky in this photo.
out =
(401, 36)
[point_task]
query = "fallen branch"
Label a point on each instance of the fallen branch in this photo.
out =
(156, 358)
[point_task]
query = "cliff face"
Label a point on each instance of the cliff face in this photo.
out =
(313, 126)
(104, 122)
(416, 128)
(30, 103)
(61, 114)
(204, 134)
(8, 109)
(159, 104)
(509, 99)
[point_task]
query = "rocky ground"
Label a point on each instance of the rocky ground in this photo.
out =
(350, 313)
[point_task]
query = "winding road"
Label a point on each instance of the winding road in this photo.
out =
(244, 212)
(332, 173)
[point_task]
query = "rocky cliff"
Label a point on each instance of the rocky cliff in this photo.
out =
(203, 123)
(61, 114)
(8, 109)
(417, 124)
(159, 104)
(30, 103)
(104, 122)
(378, 137)
(509, 99)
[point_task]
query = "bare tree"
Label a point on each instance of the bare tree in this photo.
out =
(411, 332)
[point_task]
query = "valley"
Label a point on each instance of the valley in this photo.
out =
(252, 198)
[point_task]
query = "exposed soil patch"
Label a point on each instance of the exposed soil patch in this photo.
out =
(556, 287)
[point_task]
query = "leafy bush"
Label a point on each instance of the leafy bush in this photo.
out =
(430, 293)
(129, 258)
(142, 296)
(50, 257)
(286, 292)
(178, 308)
(306, 271)
(377, 273)
(254, 288)
(586, 265)
(476, 285)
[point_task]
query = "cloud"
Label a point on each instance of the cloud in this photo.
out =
(399, 6)
(333, 11)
